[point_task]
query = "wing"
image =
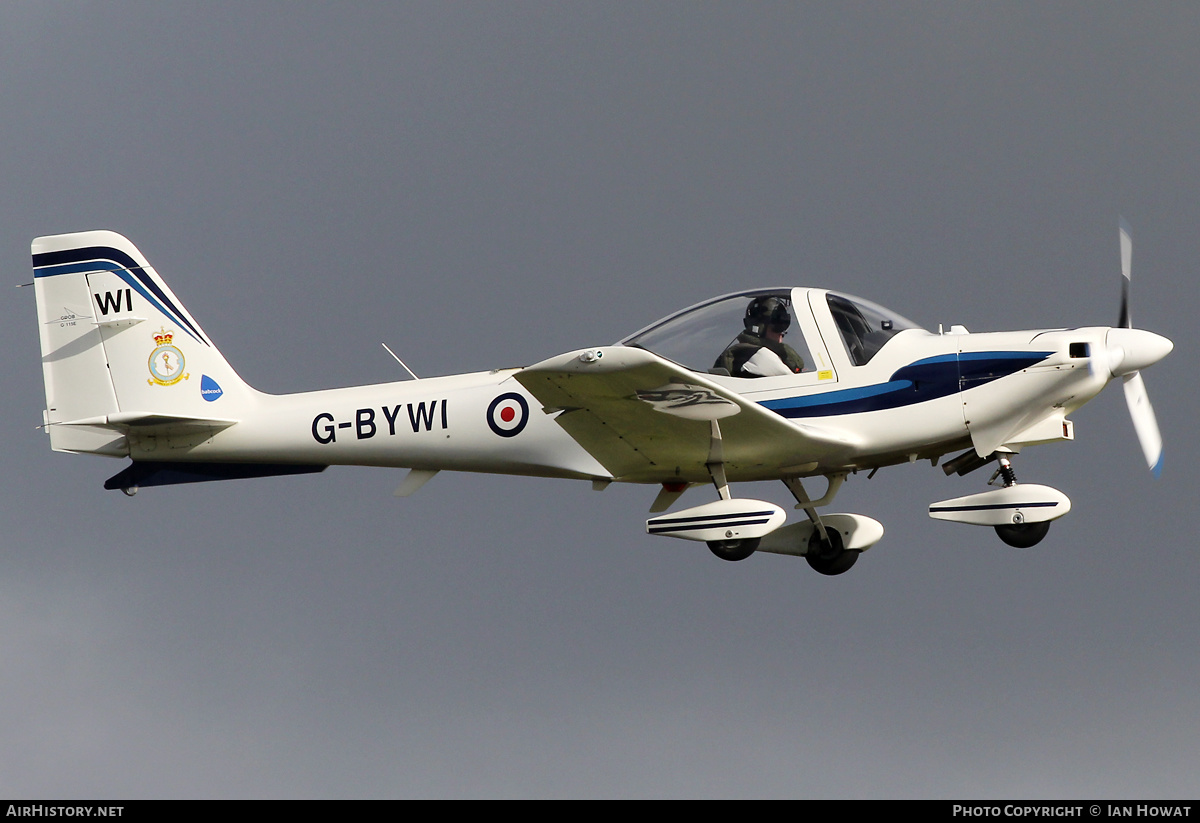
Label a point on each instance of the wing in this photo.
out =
(646, 419)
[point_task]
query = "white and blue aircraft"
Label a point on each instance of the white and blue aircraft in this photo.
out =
(711, 394)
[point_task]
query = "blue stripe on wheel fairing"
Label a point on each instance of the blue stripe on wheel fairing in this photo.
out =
(684, 523)
(991, 506)
(682, 527)
(659, 521)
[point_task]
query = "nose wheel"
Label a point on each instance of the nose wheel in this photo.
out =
(1023, 535)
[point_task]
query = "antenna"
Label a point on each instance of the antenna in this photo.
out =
(401, 362)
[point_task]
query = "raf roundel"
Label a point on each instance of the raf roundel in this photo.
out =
(508, 414)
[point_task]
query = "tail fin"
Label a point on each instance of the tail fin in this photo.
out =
(120, 352)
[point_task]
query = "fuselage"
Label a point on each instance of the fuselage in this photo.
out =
(482, 422)
(910, 395)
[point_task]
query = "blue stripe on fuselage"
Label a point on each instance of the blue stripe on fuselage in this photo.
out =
(928, 379)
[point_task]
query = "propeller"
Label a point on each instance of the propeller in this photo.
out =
(1126, 268)
(1129, 351)
(1144, 421)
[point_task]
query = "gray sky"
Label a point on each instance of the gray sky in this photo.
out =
(487, 185)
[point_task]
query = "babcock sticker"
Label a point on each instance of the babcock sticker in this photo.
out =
(209, 389)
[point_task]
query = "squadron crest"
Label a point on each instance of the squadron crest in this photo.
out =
(166, 361)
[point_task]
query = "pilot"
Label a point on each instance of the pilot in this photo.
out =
(759, 351)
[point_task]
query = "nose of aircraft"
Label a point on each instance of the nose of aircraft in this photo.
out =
(1131, 350)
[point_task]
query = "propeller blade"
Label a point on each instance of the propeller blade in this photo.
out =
(1144, 421)
(1126, 269)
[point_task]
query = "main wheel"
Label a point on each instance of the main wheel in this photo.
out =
(1023, 535)
(732, 550)
(830, 558)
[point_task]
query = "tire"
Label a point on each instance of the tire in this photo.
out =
(830, 558)
(733, 550)
(1023, 535)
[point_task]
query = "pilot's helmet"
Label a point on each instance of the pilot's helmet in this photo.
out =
(767, 314)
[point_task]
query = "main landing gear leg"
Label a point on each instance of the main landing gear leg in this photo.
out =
(732, 550)
(825, 553)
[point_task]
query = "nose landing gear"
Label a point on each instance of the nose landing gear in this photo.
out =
(1019, 513)
(1018, 533)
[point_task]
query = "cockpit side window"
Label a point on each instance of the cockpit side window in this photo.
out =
(739, 335)
(864, 327)
(759, 349)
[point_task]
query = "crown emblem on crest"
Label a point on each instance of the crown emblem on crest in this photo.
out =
(163, 337)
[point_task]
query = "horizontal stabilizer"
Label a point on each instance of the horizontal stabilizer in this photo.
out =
(147, 473)
(124, 421)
